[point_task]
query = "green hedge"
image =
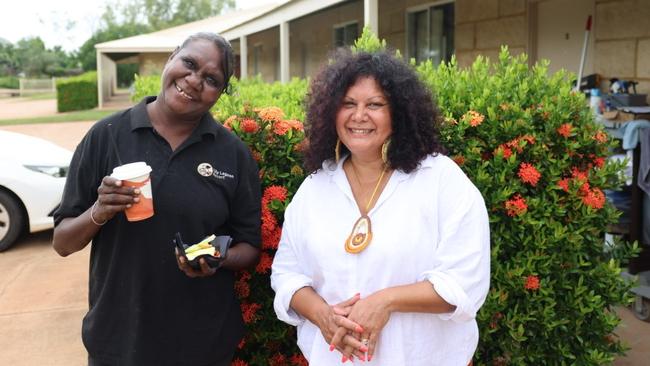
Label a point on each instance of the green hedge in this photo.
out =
(9, 82)
(244, 95)
(77, 93)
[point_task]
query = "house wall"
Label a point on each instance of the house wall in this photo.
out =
(622, 36)
(152, 63)
(312, 36)
(482, 26)
(269, 40)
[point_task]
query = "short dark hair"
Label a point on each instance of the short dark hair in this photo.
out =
(227, 53)
(414, 116)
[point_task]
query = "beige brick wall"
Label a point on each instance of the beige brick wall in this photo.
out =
(268, 42)
(622, 34)
(483, 26)
(152, 63)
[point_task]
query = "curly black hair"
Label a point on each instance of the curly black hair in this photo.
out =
(414, 116)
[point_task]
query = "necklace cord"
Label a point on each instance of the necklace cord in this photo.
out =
(376, 185)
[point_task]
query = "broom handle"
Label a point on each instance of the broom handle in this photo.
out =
(584, 54)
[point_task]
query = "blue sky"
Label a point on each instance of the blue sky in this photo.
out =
(67, 23)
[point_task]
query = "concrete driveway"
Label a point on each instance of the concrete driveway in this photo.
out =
(43, 298)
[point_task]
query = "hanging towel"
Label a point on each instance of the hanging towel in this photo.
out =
(630, 131)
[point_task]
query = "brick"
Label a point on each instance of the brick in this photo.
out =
(615, 58)
(506, 31)
(512, 7)
(464, 37)
(622, 19)
(473, 10)
(643, 59)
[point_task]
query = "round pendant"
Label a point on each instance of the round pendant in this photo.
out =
(360, 236)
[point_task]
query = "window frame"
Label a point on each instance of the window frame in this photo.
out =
(423, 7)
(343, 25)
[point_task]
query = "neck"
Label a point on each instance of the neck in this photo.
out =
(367, 169)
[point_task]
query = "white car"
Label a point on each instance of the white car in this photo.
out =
(32, 176)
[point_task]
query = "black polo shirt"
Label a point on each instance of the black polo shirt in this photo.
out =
(142, 309)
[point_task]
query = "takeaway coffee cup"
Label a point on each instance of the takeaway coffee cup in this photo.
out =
(137, 175)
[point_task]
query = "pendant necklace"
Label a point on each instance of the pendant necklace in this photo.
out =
(361, 234)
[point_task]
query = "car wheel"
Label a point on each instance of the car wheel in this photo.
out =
(11, 220)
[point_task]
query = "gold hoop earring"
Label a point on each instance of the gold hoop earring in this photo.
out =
(337, 151)
(384, 151)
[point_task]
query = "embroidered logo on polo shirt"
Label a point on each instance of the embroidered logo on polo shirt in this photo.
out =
(205, 169)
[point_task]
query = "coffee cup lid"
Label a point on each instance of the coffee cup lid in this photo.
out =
(131, 170)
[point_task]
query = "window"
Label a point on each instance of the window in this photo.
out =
(431, 33)
(346, 34)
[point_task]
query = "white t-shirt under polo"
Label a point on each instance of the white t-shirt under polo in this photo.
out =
(430, 225)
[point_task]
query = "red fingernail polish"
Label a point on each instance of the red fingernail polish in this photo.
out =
(362, 358)
(369, 358)
(363, 349)
(332, 347)
(359, 330)
(344, 359)
(351, 359)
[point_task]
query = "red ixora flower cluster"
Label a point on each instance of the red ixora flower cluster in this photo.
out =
(532, 283)
(592, 197)
(565, 130)
(528, 174)
(474, 117)
(249, 125)
(249, 311)
(271, 231)
(515, 143)
(516, 206)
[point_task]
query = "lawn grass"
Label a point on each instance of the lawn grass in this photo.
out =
(88, 115)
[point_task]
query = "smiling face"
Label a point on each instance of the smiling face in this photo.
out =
(363, 121)
(193, 80)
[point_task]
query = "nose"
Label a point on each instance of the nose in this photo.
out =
(359, 113)
(194, 80)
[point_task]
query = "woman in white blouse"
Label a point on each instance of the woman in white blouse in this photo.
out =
(384, 255)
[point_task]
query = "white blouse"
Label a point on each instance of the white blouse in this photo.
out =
(430, 225)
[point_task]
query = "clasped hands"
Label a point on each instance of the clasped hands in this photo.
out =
(353, 326)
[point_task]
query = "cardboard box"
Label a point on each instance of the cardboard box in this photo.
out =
(620, 116)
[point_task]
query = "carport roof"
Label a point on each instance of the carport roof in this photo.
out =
(167, 40)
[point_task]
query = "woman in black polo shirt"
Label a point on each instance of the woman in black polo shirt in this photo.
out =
(147, 306)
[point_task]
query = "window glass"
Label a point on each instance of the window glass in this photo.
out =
(431, 33)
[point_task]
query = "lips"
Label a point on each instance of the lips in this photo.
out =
(183, 93)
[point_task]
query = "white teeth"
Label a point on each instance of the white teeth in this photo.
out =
(354, 130)
(183, 93)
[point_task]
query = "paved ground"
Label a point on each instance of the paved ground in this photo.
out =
(43, 296)
(26, 108)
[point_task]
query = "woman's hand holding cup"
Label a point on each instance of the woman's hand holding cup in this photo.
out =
(113, 197)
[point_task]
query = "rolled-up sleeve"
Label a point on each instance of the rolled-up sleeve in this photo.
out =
(288, 274)
(461, 270)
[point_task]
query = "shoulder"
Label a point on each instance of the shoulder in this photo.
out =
(450, 179)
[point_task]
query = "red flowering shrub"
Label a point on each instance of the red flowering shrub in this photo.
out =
(543, 183)
(275, 144)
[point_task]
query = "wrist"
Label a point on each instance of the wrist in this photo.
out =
(320, 314)
(94, 218)
(389, 299)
